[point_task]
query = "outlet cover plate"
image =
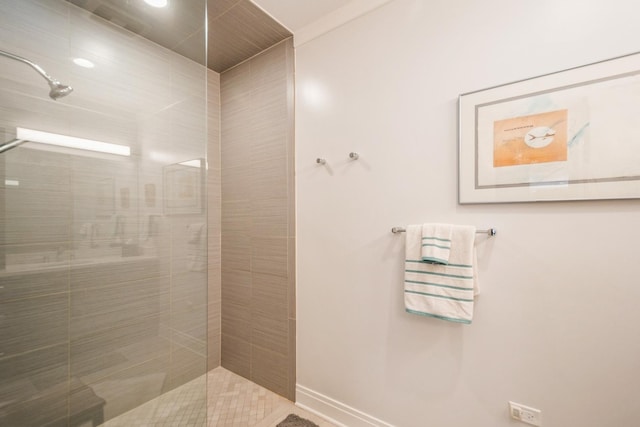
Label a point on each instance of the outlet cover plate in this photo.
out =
(525, 414)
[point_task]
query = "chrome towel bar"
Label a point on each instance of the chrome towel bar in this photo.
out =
(490, 232)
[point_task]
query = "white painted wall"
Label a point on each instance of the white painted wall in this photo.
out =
(557, 323)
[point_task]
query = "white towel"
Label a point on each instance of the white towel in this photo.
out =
(436, 243)
(442, 291)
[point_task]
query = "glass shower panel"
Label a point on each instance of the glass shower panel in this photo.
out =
(103, 275)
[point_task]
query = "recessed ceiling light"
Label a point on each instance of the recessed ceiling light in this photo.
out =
(83, 62)
(157, 3)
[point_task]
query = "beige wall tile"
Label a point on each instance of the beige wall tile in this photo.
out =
(185, 366)
(133, 386)
(236, 287)
(257, 182)
(214, 348)
(271, 333)
(235, 82)
(236, 321)
(214, 222)
(237, 217)
(269, 179)
(215, 283)
(236, 252)
(236, 183)
(269, 256)
(29, 324)
(236, 355)
(235, 131)
(147, 294)
(47, 366)
(269, 218)
(214, 253)
(270, 65)
(269, 296)
(270, 370)
(26, 285)
(128, 270)
(88, 351)
(291, 391)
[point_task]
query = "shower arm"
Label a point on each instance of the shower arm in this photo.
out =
(11, 144)
(57, 89)
(29, 63)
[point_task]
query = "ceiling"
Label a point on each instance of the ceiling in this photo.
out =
(296, 14)
(237, 29)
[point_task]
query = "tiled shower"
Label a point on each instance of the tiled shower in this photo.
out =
(125, 277)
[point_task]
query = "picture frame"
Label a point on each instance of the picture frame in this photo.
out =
(568, 135)
(183, 187)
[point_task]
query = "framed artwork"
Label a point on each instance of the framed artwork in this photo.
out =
(184, 187)
(570, 135)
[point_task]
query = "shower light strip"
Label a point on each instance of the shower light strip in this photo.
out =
(71, 142)
(196, 163)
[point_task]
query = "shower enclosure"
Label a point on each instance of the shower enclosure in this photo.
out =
(103, 213)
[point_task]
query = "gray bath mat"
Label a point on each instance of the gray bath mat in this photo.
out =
(295, 421)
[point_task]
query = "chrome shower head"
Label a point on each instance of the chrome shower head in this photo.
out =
(58, 90)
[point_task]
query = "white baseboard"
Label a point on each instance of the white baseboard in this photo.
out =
(333, 411)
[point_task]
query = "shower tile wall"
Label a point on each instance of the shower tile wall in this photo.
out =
(258, 238)
(103, 268)
(214, 211)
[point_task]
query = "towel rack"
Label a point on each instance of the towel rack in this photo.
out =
(490, 232)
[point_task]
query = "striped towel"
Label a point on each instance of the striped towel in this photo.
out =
(442, 291)
(436, 243)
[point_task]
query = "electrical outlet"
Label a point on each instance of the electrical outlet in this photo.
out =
(525, 414)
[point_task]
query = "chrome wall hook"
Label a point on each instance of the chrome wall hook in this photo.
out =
(354, 156)
(321, 161)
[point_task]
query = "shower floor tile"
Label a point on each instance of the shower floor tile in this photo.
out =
(232, 401)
